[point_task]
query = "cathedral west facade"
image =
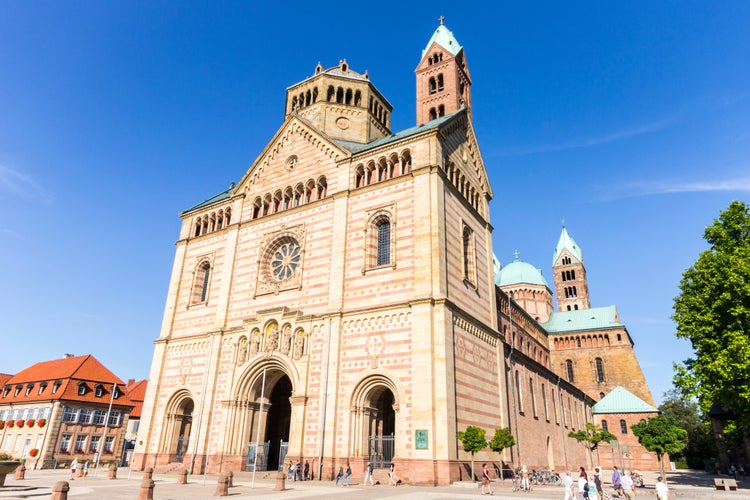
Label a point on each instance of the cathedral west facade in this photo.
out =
(341, 304)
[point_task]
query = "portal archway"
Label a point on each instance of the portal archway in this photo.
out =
(179, 422)
(375, 409)
(278, 422)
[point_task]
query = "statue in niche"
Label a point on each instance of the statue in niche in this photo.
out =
(287, 339)
(272, 339)
(242, 354)
(299, 344)
(255, 346)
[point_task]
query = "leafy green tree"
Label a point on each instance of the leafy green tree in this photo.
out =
(660, 435)
(700, 444)
(591, 436)
(473, 440)
(713, 312)
(501, 440)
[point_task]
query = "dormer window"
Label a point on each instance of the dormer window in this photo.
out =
(42, 386)
(116, 392)
(18, 390)
(6, 391)
(56, 386)
(81, 388)
(99, 390)
(29, 387)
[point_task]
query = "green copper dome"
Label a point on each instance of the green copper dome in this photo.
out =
(518, 272)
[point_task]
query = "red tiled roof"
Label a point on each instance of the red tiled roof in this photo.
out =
(137, 394)
(4, 378)
(70, 372)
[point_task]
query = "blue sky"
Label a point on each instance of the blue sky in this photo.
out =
(629, 120)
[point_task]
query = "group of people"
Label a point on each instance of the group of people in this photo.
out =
(344, 476)
(74, 469)
(590, 487)
(295, 471)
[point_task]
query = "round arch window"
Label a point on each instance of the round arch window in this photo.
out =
(284, 260)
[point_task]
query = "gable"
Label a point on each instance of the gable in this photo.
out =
(466, 155)
(297, 152)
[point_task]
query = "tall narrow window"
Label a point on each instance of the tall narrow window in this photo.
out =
(202, 280)
(623, 427)
(518, 393)
(599, 370)
(604, 425)
(533, 398)
(384, 242)
(469, 255)
(569, 369)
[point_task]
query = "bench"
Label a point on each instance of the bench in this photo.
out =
(725, 484)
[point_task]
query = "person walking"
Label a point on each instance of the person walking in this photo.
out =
(583, 481)
(616, 481)
(486, 480)
(347, 476)
(340, 476)
(598, 482)
(73, 468)
(592, 489)
(570, 491)
(662, 491)
(307, 470)
(627, 486)
(368, 474)
(85, 470)
(525, 483)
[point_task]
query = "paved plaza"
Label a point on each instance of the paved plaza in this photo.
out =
(38, 484)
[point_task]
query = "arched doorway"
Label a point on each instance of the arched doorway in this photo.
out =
(382, 439)
(277, 422)
(375, 425)
(183, 422)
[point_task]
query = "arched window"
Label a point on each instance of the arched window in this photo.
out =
(569, 369)
(440, 85)
(441, 110)
(518, 392)
(599, 370)
(433, 113)
(623, 427)
(202, 279)
(469, 255)
(604, 425)
(384, 242)
(433, 86)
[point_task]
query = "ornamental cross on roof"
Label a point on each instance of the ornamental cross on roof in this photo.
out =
(441, 19)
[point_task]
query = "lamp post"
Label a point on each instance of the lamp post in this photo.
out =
(513, 381)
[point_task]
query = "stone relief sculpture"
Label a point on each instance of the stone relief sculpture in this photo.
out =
(255, 346)
(272, 338)
(299, 344)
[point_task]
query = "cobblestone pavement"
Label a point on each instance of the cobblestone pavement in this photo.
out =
(38, 484)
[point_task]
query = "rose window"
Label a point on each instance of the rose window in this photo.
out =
(284, 260)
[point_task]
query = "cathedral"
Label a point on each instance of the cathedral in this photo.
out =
(341, 303)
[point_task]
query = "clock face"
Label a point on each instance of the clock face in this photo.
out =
(285, 260)
(342, 123)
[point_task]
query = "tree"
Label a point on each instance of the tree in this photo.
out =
(591, 436)
(660, 435)
(473, 440)
(687, 415)
(501, 440)
(713, 312)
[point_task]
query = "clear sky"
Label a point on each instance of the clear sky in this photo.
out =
(629, 120)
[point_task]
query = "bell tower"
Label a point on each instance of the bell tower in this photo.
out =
(443, 81)
(571, 285)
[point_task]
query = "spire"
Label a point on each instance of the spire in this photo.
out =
(443, 81)
(566, 241)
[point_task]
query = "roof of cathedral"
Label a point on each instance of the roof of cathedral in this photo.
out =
(358, 147)
(594, 318)
(620, 400)
(519, 272)
(219, 197)
(445, 38)
(567, 241)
